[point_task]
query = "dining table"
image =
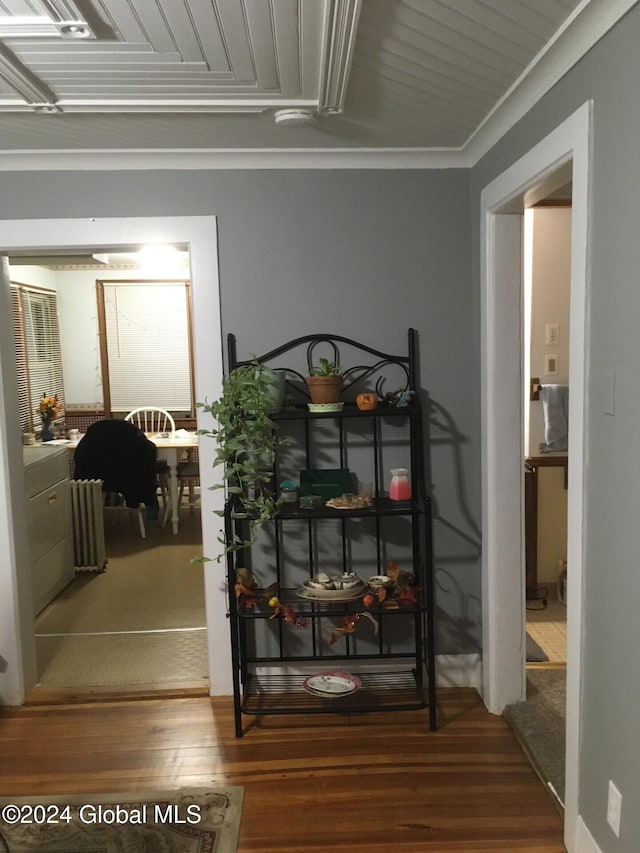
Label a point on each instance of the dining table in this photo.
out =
(170, 447)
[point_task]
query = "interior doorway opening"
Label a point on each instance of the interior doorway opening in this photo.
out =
(502, 206)
(199, 234)
(539, 721)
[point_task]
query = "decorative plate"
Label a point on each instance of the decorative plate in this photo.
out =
(350, 502)
(325, 407)
(315, 594)
(332, 684)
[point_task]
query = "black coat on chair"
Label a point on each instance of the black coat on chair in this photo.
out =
(119, 453)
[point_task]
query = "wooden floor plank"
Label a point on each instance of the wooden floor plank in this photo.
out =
(374, 782)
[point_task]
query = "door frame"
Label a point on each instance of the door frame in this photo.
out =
(502, 205)
(199, 235)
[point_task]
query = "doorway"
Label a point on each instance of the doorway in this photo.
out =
(547, 291)
(502, 206)
(199, 235)
(539, 721)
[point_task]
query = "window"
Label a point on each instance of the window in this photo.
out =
(146, 345)
(38, 355)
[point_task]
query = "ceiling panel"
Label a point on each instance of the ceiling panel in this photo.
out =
(212, 73)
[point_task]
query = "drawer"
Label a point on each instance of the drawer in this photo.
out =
(49, 518)
(46, 467)
(51, 573)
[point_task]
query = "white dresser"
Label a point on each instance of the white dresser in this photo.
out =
(46, 471)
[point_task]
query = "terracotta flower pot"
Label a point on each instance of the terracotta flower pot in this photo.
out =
(324, 389)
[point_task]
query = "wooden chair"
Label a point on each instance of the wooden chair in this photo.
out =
(188, 477)
(154, 420)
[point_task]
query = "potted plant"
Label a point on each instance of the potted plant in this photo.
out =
(325, 382)
(247, 443)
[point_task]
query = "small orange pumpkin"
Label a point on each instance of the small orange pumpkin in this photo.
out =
(366, 401)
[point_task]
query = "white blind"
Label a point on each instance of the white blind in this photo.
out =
(147, 345)
(38, 353)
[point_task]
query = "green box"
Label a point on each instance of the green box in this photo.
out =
(328, 483)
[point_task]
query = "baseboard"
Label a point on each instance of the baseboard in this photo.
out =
(459, 671)
(583, 840)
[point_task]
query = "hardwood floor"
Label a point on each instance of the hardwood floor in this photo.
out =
(370, 783)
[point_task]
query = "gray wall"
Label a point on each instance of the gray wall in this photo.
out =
(611, 687)
(364, 254)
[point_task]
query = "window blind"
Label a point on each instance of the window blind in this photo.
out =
(38, 353)
(146, 345)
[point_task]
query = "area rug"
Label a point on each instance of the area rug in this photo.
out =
(115, 660)
(535, 653)
(195, 820)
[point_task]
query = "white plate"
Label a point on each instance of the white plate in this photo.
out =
(312, 594)
(325, 407)
(332, 684)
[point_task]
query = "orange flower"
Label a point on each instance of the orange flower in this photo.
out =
(49, 407)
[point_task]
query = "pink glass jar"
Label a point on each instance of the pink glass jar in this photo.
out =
(400, 487)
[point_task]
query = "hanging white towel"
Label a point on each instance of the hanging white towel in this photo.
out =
(555, 408)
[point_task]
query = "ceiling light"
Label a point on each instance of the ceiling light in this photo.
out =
(160, 258)
(295, 117)
(74, 30)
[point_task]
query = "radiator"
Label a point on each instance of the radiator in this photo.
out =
(88, 525)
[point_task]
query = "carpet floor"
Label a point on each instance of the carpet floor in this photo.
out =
(111, 660)
(140, 622)
(195, 820)
(539, 724)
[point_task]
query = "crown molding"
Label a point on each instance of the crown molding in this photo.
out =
(590, 21)
(341, 24)
(187, 159)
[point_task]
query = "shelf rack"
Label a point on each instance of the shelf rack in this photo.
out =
(268, 676)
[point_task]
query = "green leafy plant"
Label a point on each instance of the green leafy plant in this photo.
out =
(326, 368)
(247, 443)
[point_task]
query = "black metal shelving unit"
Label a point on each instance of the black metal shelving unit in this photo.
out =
(394, 677)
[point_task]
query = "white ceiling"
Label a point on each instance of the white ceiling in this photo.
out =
(210, 75)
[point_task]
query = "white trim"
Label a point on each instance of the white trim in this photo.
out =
(584, 842)
(340, 28)
(502, 412)
(200, 159)
(589, 22)
(199, 234)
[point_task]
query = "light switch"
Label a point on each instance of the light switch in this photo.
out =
(551, 365)
(552, 334)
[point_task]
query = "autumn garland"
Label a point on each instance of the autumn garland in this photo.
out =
(402, 592)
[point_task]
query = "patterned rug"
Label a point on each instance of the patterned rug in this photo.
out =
(197, 820)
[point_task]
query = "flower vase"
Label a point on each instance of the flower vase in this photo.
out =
(47, 432)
